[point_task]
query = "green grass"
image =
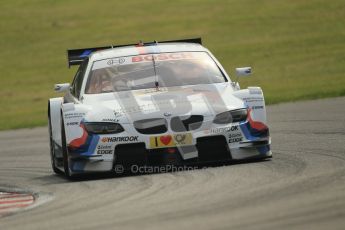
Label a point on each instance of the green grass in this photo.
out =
(296, 47)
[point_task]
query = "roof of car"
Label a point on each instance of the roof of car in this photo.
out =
(150, 49)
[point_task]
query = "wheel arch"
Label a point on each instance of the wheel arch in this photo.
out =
(54, 114)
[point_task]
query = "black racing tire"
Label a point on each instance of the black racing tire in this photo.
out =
(65, 151)
(52, 149)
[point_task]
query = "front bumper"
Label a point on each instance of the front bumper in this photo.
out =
(207, 149)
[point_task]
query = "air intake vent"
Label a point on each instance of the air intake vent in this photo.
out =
(180, 124)
(151, 126)
(212, 148)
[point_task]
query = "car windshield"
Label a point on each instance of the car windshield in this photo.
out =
(151, 70)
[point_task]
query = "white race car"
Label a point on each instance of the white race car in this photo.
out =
(149, 104)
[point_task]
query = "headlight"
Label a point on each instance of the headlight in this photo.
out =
(231, 116)
(103, 127)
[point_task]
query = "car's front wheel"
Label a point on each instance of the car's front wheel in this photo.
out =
(52, 148)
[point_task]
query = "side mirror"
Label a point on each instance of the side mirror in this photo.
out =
(63, 87)
(243, 71)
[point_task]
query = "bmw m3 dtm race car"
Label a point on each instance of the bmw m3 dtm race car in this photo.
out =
(154, 103)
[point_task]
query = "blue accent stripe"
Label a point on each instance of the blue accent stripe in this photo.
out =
(246, 131)
(92, 146)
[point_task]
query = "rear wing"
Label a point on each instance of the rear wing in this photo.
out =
(77, 56)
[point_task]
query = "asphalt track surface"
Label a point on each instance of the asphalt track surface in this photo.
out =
(302, 187)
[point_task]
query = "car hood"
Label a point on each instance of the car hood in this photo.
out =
(129, 106)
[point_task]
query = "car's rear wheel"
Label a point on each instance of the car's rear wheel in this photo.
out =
(52, 148)
(65, 150)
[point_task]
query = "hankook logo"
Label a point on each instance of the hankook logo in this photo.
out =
(119, 139)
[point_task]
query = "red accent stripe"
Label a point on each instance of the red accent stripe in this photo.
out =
(256, 124)
(76, 143)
